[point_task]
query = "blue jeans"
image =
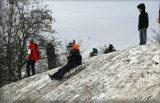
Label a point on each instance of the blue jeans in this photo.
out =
(143, 36)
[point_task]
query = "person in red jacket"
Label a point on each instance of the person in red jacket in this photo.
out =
(33, 56)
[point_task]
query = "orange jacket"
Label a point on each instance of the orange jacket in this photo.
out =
(76, 46)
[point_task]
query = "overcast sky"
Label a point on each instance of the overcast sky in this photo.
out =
(104, 22)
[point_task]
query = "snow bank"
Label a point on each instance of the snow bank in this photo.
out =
(128, 76)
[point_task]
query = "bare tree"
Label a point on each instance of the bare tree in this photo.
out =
(156, 37)
(102, 48)
(1, 45)
(22, 20)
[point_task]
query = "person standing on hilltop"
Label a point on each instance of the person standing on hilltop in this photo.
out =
(142, 24)
(33, 56)
(51, 56)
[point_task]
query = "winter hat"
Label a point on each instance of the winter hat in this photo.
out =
(49, 45)
(31, 40)
(111, 46)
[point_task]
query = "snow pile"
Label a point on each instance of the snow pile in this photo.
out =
(128, 76)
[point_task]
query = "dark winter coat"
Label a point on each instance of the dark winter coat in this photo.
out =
(50, 51)
(143, 17)
(109, 50)
(75, 57)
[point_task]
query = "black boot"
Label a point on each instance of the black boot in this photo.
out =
(50, 76)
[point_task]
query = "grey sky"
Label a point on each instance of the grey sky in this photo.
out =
(104, 21)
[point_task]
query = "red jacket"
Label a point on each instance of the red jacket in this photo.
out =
(34, 52)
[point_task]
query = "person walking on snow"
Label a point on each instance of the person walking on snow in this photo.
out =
(33, 56)
(51, 56)
(142, 24)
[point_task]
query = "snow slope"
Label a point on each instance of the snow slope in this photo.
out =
(127, 76)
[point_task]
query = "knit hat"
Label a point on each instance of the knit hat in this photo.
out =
(32, 40)
(111, 46)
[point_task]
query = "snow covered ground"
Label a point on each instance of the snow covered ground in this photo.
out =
(127, 76)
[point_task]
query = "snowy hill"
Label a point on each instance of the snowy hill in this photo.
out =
(128, 76)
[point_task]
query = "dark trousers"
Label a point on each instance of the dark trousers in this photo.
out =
(61, 72)
(30, 65)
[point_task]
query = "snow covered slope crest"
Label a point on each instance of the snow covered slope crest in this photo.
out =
(128, 76)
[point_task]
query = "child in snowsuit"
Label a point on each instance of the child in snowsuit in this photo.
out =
(110, 49)
(94, 52)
